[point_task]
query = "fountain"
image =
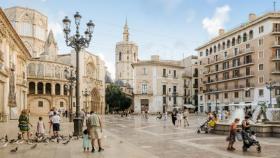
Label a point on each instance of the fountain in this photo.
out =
(265, 121)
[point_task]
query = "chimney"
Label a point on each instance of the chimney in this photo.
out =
(252, 16)
(221, 32)
(155, 58)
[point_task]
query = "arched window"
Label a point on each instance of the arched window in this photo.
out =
(219, 47)
(40, 88)
(57, 89)
(31, 88)
(228, 43)
(120, 56)
(238, 39)
(245, 37)
(127, 57)
(224, 46)
(210, 50)
(251, 34)
(206, 52)
(48, 88)
(215, 49)
(233, 41)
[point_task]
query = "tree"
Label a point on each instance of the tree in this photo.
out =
(116, 99)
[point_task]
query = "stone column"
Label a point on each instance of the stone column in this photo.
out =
(61, 89)
(53, 88)
(36, 87)
(44, 88)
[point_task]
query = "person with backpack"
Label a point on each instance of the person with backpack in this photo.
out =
(94, 126)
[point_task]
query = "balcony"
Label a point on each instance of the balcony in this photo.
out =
(275, 71)
(276, 58)
(275, 31)
(276, 44)
(237, 77)
(231, 56)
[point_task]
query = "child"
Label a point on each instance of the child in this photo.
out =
(253, 136)
(86, 140)
(40, 128)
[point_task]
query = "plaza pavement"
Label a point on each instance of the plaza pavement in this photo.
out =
(136, 137)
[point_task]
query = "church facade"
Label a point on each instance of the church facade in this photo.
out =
(47, 84)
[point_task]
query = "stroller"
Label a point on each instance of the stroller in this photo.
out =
(204, 127)
(248, 141)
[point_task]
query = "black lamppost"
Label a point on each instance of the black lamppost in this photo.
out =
(69, 75)
(86, 93)
(77, 42)
(270, 85)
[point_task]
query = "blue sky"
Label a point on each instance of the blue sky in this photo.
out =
(169, 28)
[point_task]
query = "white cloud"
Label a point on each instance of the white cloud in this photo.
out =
(221, 16)
(170, 5)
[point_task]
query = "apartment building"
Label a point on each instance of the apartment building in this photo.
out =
(158, 85)
(190, 78)
(235, 66)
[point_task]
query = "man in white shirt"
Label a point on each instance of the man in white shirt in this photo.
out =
(56, 124)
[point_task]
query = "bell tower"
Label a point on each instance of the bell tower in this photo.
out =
(126, 53)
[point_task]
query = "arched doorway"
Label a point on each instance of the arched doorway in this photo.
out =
(95, 101)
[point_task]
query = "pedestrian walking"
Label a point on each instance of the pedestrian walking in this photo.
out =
(179, 119)
(185, 117)
(23, 124)
(56, 124)
(40, 128)
(94, 126)
(86, 140)
(51, 113)
(232, 134)
(173, 117)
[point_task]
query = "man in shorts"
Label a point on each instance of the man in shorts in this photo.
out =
(94, 126)
(56, 124)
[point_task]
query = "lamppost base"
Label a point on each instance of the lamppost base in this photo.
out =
(78, 126)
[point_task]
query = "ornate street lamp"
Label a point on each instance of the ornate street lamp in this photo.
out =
(77, 42)
(69, 75)
(270, 85)
(86, 93)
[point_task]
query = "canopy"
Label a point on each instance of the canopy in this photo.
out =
(189, 106)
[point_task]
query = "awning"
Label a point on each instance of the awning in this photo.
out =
(189, 106)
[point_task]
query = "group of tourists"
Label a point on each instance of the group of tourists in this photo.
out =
(245, 134)
(180, 117)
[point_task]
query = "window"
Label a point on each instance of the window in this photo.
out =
(260, 42)
(206, 52)
(228, 43)
(61, 104)
(226, 86)
(260, 54)
(144, 71)
(233, 41)
(226, 95)
(248, 71)
(209, 97)
(236, 94)
(120, 56)
(261, 29)
(247, 59)
(260, 79)
(216, 57)
(174, 100)
(247, 93)
(144, 88)
(226, 75)
(201, 53)
(174, 89)
(164, 73)
(174, 74)
(164, 89)
(40, 104)
(164, 100)
(277, 91)
(217, 67)
(127, 58)
(235, 51)
(251, 35)
(277, 54)
(25, 29)
(239, 39)
(235, 62)
(201, 98)
(244, 37)
(260, 67)
(225, 54)
(260, 92)
(225, 65)
(276, 27)
(235, 73)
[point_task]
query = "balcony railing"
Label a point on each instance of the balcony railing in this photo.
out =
(275, 71)
(239, 76)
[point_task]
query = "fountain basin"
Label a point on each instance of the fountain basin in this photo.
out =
(262, 130)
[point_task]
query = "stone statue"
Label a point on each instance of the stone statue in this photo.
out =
(12, 93)
(262, 112)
